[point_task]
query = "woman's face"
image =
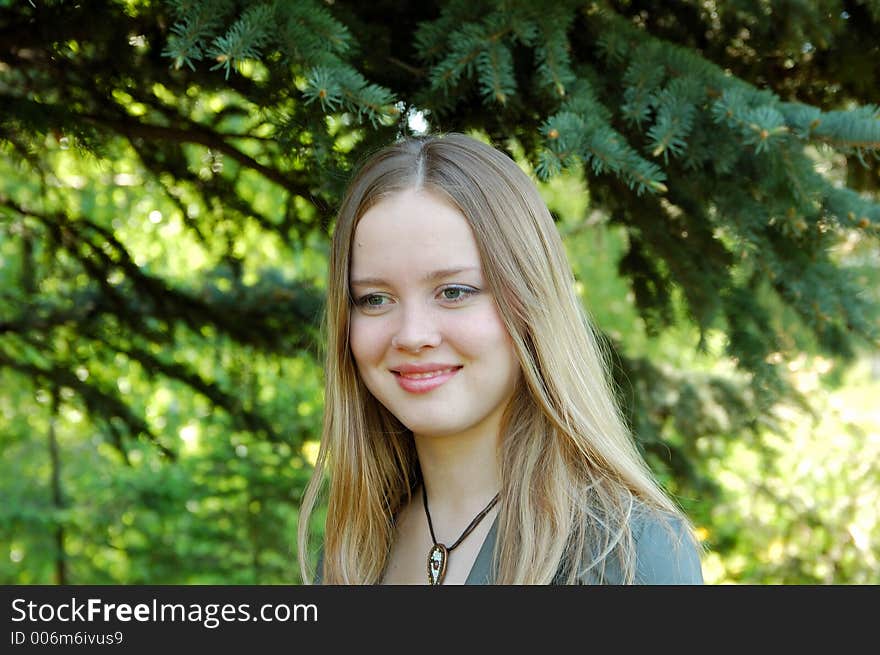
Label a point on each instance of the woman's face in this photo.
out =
(425, 332)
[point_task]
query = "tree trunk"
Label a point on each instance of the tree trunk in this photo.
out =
(57, 499)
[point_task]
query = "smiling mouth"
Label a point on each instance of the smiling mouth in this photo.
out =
(428, 375)
(425, 381)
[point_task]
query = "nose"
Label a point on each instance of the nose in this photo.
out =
(417, 329)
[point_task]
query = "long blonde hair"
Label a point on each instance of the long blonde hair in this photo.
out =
(572, 478)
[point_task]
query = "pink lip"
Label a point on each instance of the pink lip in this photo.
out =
(403, 372)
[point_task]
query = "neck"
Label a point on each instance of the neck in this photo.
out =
(461, 473)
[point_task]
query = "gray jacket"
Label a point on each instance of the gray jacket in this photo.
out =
(662, 558)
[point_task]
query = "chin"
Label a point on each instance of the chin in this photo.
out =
(428, 428)
(434, 433)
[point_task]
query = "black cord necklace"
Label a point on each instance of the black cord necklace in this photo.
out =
(439, 553)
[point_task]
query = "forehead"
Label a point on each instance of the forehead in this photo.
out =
(412, 231)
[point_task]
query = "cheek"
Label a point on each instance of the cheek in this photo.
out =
(367, 339)
(485, 336)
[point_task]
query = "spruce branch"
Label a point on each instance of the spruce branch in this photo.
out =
(341, 87)
(432, 37)
(614, 46)
(192, 133)
(761, 126)
(827, 298)
(552, 56)
(304, 33)
(310, 35)
(851, 209)
(244, 39)
(673, 123)
(495, 73)
(851, 131)
(465, 45)
(642, 81)
(598, 145)
(197, 22)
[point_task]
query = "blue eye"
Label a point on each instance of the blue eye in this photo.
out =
(457, 293)
(371, 300)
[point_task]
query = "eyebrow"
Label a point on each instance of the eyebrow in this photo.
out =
(428, 277)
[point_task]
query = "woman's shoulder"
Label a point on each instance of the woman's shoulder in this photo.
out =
(665, 552)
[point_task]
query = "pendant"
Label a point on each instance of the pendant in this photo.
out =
(437, 564)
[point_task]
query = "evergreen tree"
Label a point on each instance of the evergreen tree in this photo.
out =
(704, 134)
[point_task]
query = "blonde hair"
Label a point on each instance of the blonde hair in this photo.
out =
(572, 478)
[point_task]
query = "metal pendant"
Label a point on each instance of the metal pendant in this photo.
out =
(437, 564)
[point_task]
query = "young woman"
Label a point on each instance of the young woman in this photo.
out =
(470, 431)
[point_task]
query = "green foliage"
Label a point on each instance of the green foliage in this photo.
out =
(198, 21)
(168, 177)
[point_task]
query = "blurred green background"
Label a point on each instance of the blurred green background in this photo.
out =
(168, 177)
